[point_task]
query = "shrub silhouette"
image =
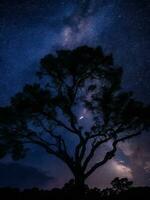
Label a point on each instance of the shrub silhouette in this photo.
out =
(65, 194)
(121, 184)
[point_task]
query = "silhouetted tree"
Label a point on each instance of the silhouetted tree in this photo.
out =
(121, 184)
(48, 113)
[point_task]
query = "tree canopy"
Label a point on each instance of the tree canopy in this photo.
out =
(50, 111)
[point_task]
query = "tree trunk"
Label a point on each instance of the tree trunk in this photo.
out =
(80, 187)
(79, 181)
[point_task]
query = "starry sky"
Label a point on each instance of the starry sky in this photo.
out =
(31, 29)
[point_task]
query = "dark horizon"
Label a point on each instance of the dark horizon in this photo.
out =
(30, 30)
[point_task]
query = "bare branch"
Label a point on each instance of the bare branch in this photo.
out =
(61, 124)
(93, 150)
(109, 155)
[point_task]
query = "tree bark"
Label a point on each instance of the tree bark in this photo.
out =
(79, 181)
(80, 187)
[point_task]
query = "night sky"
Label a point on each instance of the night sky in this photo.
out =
(31, 29)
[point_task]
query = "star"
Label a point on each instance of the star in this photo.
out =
(81, 117)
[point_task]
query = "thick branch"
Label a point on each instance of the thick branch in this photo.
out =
(80, 145)
(93, 150)
(113, 134)
(111, 153)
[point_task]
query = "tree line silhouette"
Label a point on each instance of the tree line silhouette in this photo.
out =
(122, 189)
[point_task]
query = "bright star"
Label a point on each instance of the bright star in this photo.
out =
(81, 117)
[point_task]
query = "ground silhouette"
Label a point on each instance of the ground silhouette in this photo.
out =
(68, 192)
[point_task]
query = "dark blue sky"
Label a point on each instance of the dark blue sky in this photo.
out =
(31, 29)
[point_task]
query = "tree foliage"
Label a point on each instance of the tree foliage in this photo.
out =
(121, 184)
(47, 113)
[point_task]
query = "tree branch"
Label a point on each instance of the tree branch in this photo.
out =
(111, 153)
(93, 150)
(62, 154)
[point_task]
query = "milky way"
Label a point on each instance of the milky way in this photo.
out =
(31, 29)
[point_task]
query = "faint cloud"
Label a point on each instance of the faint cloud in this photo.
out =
(121, 169)
(126, 148)
(23, 176)
(147, 166)
(105, 174)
